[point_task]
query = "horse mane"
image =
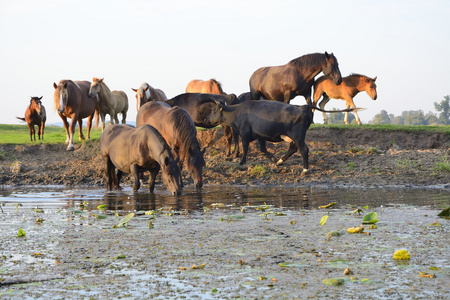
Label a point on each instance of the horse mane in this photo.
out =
(358, 75)
(306, 61)
(187, 136)
(219, 86)
(102, 83)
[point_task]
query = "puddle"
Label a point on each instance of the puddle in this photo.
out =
(253, 242)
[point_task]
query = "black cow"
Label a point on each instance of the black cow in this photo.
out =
(199, 106)
(267, 120)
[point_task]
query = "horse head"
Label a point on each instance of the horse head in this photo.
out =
(331, 68)
(195, 164)
(371, 87)
(171, 175)
(216, 115)
(95, 87)
(36, 104)
(142, 95)
(60, 96)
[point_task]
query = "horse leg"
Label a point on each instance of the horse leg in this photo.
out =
(236, 142)
(89, 125)
(135, 170)
(110, 176)
(263, 149)
(73, 123)
(245, 144)
(152, 178)
(322, 106)
(42, 130)
(351, 104)
(80, 130)
(31, 129)
(39, 131)
(124, 118)
(292, 149)
(118, 177)
(102, 117)
(66, 127)
(116, 119)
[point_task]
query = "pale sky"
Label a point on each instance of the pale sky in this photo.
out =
(166, 43)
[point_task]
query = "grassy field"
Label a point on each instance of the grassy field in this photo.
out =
(19, 134)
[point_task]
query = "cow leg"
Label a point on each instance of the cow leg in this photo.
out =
(152, 178)
(304, 151)
(263, 149)
(292, 149)
(245, 144)
(322, 106)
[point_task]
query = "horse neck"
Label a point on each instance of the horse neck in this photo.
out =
(359, 83)
(105, 93)
(229, 114)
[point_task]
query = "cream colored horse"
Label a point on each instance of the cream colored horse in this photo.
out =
(211, 86)
(110, 102)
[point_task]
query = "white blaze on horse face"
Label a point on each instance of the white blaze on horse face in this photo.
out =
(147, 93)
(61, 101)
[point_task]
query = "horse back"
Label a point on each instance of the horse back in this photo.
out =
(121, 101)
(79, 99)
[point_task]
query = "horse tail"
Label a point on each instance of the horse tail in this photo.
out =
(334, 111)
(22, 119)
(96, 116)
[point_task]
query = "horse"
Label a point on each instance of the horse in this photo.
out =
(283, 83)
(146, 93)
(110, 102)
(211, 86)
(132, 150)
(177, 127)
(72, 100)
(35, 115)
(347, 90)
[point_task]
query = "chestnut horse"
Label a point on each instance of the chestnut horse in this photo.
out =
(110, 102)
(132, 150)
(177, 127)
(350, 87)
(146, 93)
(211, 86)
(71, 100)
(283, 83)
(35, 115)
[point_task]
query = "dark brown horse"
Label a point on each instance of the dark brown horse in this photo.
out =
(35, 115)
(72, 101)
(132, 150)
(211, 86)
(283, 83)
(177, 127)
(349, 88)
(146, 93)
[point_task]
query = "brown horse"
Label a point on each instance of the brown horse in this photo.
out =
(35, 115)
(177, 127)
(134, 150)
(146, 93)
(71, 100)
(283, 83)
(110, 102)
(350, 87)
(211, 86)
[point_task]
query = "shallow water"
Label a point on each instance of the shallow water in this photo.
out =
(255, 242)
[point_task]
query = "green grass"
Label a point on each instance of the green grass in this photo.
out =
(19, 134)
(443, 165)
(405, 128)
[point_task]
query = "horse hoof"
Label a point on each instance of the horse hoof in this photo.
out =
(280, 162)
(70, 148)
(304, 172)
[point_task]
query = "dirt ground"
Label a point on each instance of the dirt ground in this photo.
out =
(351, 157)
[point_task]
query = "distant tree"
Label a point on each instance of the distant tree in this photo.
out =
(444, 109)
(431, 119)
(398, 120)
(414, 117)
(381, 118)
(338, 118)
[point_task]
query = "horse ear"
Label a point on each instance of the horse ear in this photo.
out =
(65, 84)
(326, 54)
(146, 88)
(375, 78)
(43, 96)
(135, 90)
(55, 85)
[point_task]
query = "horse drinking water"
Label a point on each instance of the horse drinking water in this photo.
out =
(110, 102)
(72, 101)
(35, 115)
(283, 83)
(347, 90)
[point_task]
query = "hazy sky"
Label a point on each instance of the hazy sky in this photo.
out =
(166, 43)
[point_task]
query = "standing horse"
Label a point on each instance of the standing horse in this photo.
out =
(111, 103)
(71, 100)
(146, 93)
(177, 127)
(211, 86)
(350, 87)
(35, 115)
(283, 83)
(132, 150)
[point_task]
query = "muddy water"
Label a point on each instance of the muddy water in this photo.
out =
(226, 242)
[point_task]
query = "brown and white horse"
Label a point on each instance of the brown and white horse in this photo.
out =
(146, 93)
(110, 102)
(347, 90)
(35, 115)
(71, 100)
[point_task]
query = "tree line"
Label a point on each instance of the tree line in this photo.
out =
(409, 117)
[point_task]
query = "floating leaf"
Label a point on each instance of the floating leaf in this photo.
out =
(355, 229)
(195, 267)
(328, 205)
(333, 281)
(21, 233)
(101, 217)
(334, 233)
(292, 265)
(233, 217)
(38, 210)
(121, 256)
(101, 207)
(358, 210)
(445, 212)
(125, 220)
(427, 275)
(371, 218)
(323, 220)
(435, 223)
(214, 290)
(402, 255)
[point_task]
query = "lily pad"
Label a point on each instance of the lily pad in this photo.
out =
(21, 233)
(371, 218)
(101, 207)
(333, 281)
(334, 233)
(323, 220)
(125, 220)
(328, 205)
(402, 255)
(359, 229)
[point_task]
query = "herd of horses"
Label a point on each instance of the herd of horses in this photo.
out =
(165, 136)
